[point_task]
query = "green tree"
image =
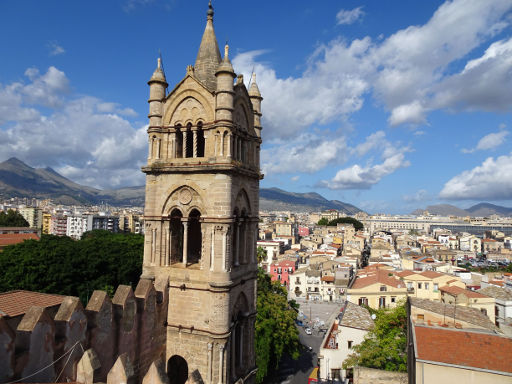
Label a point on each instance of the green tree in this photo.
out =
(347, 220)
(63, 266)
(323, 221)
(275, 327)
(384, 347)
(261, 254)
(12, 219)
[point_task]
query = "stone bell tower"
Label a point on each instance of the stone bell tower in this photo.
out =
(201, 214)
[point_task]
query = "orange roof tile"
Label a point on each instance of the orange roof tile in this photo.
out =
(455, 291)
(464, 348)
(15, 303)
(15, 238)
(381, 277)
(327, 278)
(431, 274)
(404, 273)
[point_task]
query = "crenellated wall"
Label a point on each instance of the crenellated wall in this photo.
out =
(122, 336)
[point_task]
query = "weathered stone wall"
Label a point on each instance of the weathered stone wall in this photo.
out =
(363, 375)
(132, 325)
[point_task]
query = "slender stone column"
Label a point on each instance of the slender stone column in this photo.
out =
(222, 144)
(235, 147)
(194, 133)
(241, 350)
(221, 364)
(209, 373)
(239, 149)
(224, 249)
(150, 148)
(229, 144)
(184, 146)
(153, 245)
(185, 242)
(169, 252)
(236, 251)
(212, 249)
(157, 148)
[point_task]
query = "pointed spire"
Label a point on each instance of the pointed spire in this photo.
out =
(254, 90)
(225, 65)
(208, 56)
(159, 75)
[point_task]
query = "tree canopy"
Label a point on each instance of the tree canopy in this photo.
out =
(100, 260)
(342, 220)
(12, 219)
(384, 347)
(275, 326)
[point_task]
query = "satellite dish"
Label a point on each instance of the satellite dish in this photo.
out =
(374, 316)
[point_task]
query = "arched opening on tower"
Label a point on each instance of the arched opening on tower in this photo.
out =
(200, 139)
(177, 370)
(189, 145)
(176, 238)
(194, 241)
(179, 141)
(239, 336)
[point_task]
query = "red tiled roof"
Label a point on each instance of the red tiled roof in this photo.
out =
(15, 238)
(404, 273)
(327, 278)
(381, 277)
(15, 303)
(455, 291)
(431, 274)
(464, 348)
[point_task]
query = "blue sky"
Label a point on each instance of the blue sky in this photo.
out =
(388, 105)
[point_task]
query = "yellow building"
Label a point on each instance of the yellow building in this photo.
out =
(377, 287)
(47, 223)
(464, 297)
(428, 284)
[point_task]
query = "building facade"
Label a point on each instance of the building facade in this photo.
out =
(201, 214)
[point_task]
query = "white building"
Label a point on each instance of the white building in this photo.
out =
(348, 330)
(77, 225)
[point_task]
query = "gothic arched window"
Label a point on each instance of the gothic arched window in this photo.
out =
(194, 238)
(189, 144)
(200, 139)
(176, 237)
(179, 141)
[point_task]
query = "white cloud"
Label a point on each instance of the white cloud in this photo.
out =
(55, 49)
(357, 177)
(490, 141)
(492, 180)
(307, 153)
(78, 137)
(349, 17)
(410, 72)
(364, 177)
(295, 178)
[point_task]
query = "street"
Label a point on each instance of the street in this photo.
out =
(298, 371)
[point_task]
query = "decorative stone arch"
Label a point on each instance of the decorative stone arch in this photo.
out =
(243, 112)
(177, 370)
(242, 201)
(178, 102)
(184, 197)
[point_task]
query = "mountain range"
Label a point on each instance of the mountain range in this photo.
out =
(478, 210)
(17, 179)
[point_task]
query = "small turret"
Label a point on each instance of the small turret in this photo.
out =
(255, 95)
(157, 86)
(225, 76)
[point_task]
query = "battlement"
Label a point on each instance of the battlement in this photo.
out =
(112, 341)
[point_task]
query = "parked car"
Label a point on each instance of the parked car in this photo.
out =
(308, 331)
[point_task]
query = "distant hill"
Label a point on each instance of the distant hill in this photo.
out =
(478, 210)
(20, 180)
(277, 199)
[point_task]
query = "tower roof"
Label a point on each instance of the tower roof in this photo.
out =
(254, 91)
(225, 65)
(159, 75)
(208, 57)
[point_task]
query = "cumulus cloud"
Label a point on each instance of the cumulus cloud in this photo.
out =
(85, 138)
(308, 153)
(492, 180)
(490, 141)
(349, 17)
(364, 177)
(410, 73)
